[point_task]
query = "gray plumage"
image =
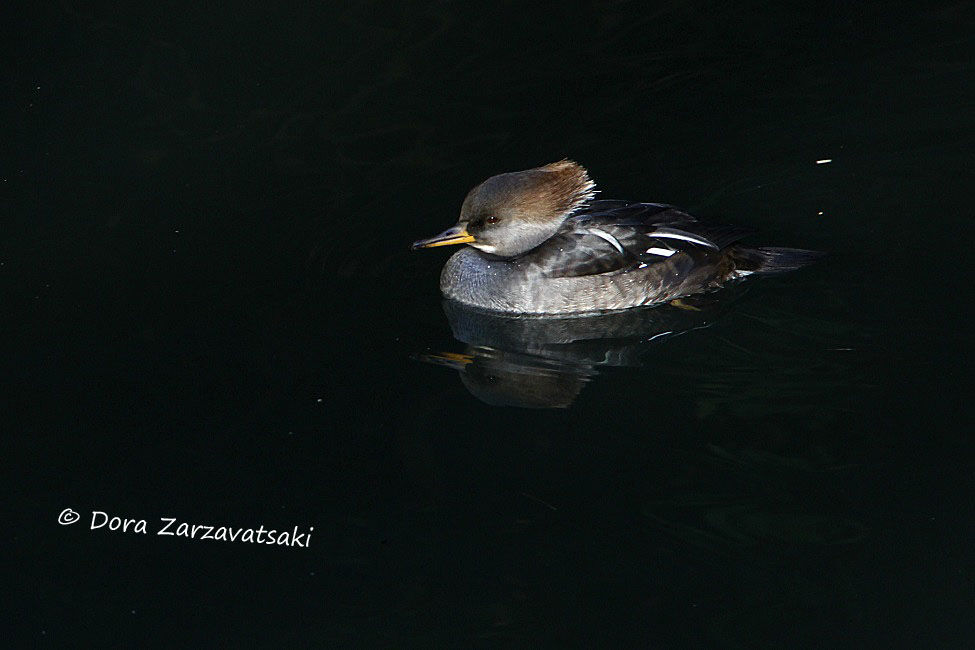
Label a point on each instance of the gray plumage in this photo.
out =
(539, 244)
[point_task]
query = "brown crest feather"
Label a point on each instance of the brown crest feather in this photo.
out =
(549, 192)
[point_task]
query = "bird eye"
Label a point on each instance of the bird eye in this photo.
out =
(492, 219)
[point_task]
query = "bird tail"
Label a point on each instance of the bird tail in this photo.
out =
(772, 259)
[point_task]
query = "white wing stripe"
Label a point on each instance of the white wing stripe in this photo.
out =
(666, 252)
(676, 235)
(608, 237)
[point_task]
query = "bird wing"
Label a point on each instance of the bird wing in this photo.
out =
(618, 237)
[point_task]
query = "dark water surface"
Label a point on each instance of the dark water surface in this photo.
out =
(211, 314)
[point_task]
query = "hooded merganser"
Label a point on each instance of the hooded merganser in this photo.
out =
(540, 244)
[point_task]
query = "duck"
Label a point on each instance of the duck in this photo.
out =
(538, 242)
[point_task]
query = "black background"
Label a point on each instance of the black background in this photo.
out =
(210, 312)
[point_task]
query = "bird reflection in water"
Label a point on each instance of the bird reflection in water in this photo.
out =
(545, 361)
